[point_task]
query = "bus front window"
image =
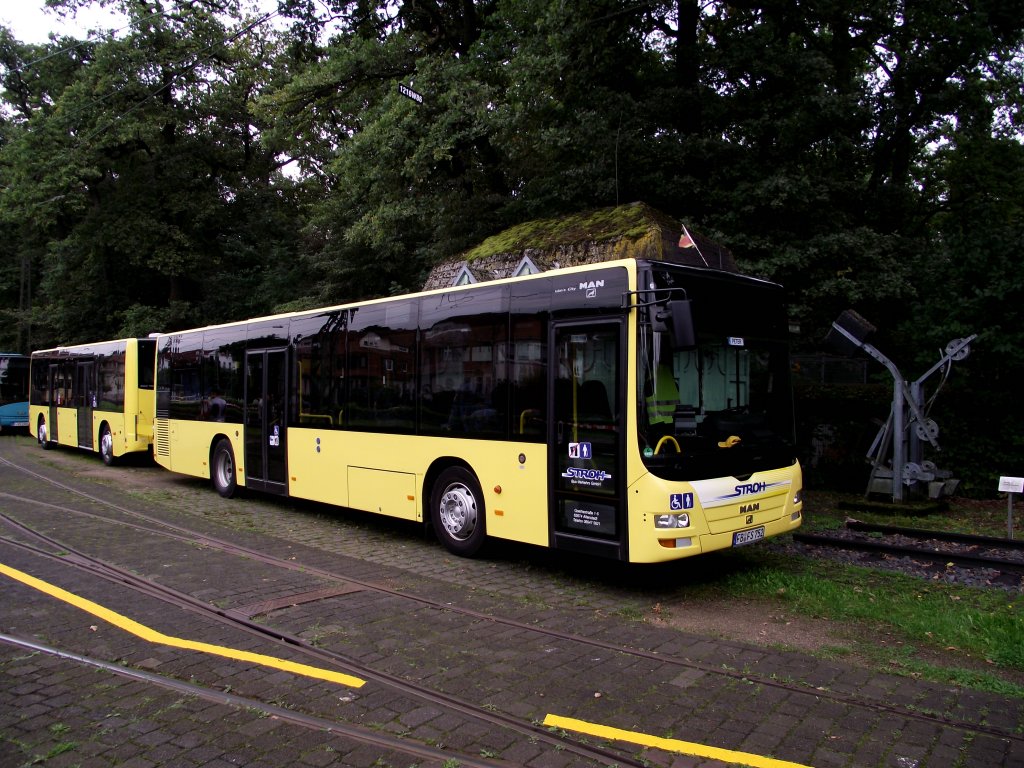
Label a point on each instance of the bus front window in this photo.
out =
(714, 410)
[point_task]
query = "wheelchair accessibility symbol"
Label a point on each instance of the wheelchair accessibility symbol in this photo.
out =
(678, 501)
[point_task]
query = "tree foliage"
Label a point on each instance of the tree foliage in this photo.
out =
(206, 164)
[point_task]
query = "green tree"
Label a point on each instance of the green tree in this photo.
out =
(140, 173)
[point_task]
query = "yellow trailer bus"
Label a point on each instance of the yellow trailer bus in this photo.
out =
(632, 409)
(100, 397)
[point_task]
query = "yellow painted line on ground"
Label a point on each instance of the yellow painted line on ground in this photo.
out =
(669, 745)
(152, 636)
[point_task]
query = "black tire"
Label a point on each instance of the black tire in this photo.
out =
(42, 435)
(106, 446)
(457, 511)
(222, 469)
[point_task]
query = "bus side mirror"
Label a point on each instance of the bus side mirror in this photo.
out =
(679, 315)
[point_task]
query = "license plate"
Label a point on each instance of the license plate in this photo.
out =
(747, 537)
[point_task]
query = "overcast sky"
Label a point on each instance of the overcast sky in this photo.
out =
(31, 24)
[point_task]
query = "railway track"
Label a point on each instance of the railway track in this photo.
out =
(63, 553)
(377, 740)
(1001, 559)
(121, 515)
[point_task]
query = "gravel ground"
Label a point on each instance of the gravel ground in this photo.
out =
(946, 573)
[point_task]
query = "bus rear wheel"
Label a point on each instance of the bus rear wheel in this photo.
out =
(106, 446)
(222, 469)
(457, 509)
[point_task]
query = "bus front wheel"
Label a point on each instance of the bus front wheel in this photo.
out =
(222, 469)
(457, 506)
(106, 446)
(41, 435)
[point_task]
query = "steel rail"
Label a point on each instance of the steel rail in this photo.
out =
(71, 556)
(311, 722)
(924, 533)
(919, 553)
(203, 539)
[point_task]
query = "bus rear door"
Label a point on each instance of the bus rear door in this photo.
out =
(587, 508)
(266, 466)
(55, 382)
(85, 400)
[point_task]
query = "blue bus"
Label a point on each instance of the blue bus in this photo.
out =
(13, 391)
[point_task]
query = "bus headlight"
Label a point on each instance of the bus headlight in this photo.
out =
(798, 496)
(681, 520)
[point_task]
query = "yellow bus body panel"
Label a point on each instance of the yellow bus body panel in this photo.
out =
(721, 508)
(184, 446)
(378, 473)
(126, 432)
(67, 426)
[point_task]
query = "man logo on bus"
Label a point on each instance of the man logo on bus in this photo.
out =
(591, 287)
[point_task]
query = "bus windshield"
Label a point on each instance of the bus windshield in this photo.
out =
(13, 379)
(722, 407)
(13, 391)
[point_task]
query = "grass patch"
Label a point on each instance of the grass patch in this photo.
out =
(973, 633)
(956, 515)
(988, 624)
(55, 751)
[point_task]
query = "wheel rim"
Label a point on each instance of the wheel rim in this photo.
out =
(42, 432)
(458, 511)
(225, 469)
(107, 444)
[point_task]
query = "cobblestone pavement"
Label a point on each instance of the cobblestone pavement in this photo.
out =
(78, 690)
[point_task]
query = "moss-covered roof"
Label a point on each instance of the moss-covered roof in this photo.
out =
(629, 222)
(635, 231)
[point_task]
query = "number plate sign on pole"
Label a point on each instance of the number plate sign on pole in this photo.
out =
(1010, 486)
(410, 93)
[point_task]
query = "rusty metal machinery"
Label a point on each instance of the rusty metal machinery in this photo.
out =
(897, 453)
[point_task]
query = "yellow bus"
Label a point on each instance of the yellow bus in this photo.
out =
(636, 410)
(100, 397)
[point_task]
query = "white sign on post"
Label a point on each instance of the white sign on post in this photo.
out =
(1011, 484)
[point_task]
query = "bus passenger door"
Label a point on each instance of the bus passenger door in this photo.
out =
(266, 466)
(586, 403)
(85, 401)
(56, 389)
